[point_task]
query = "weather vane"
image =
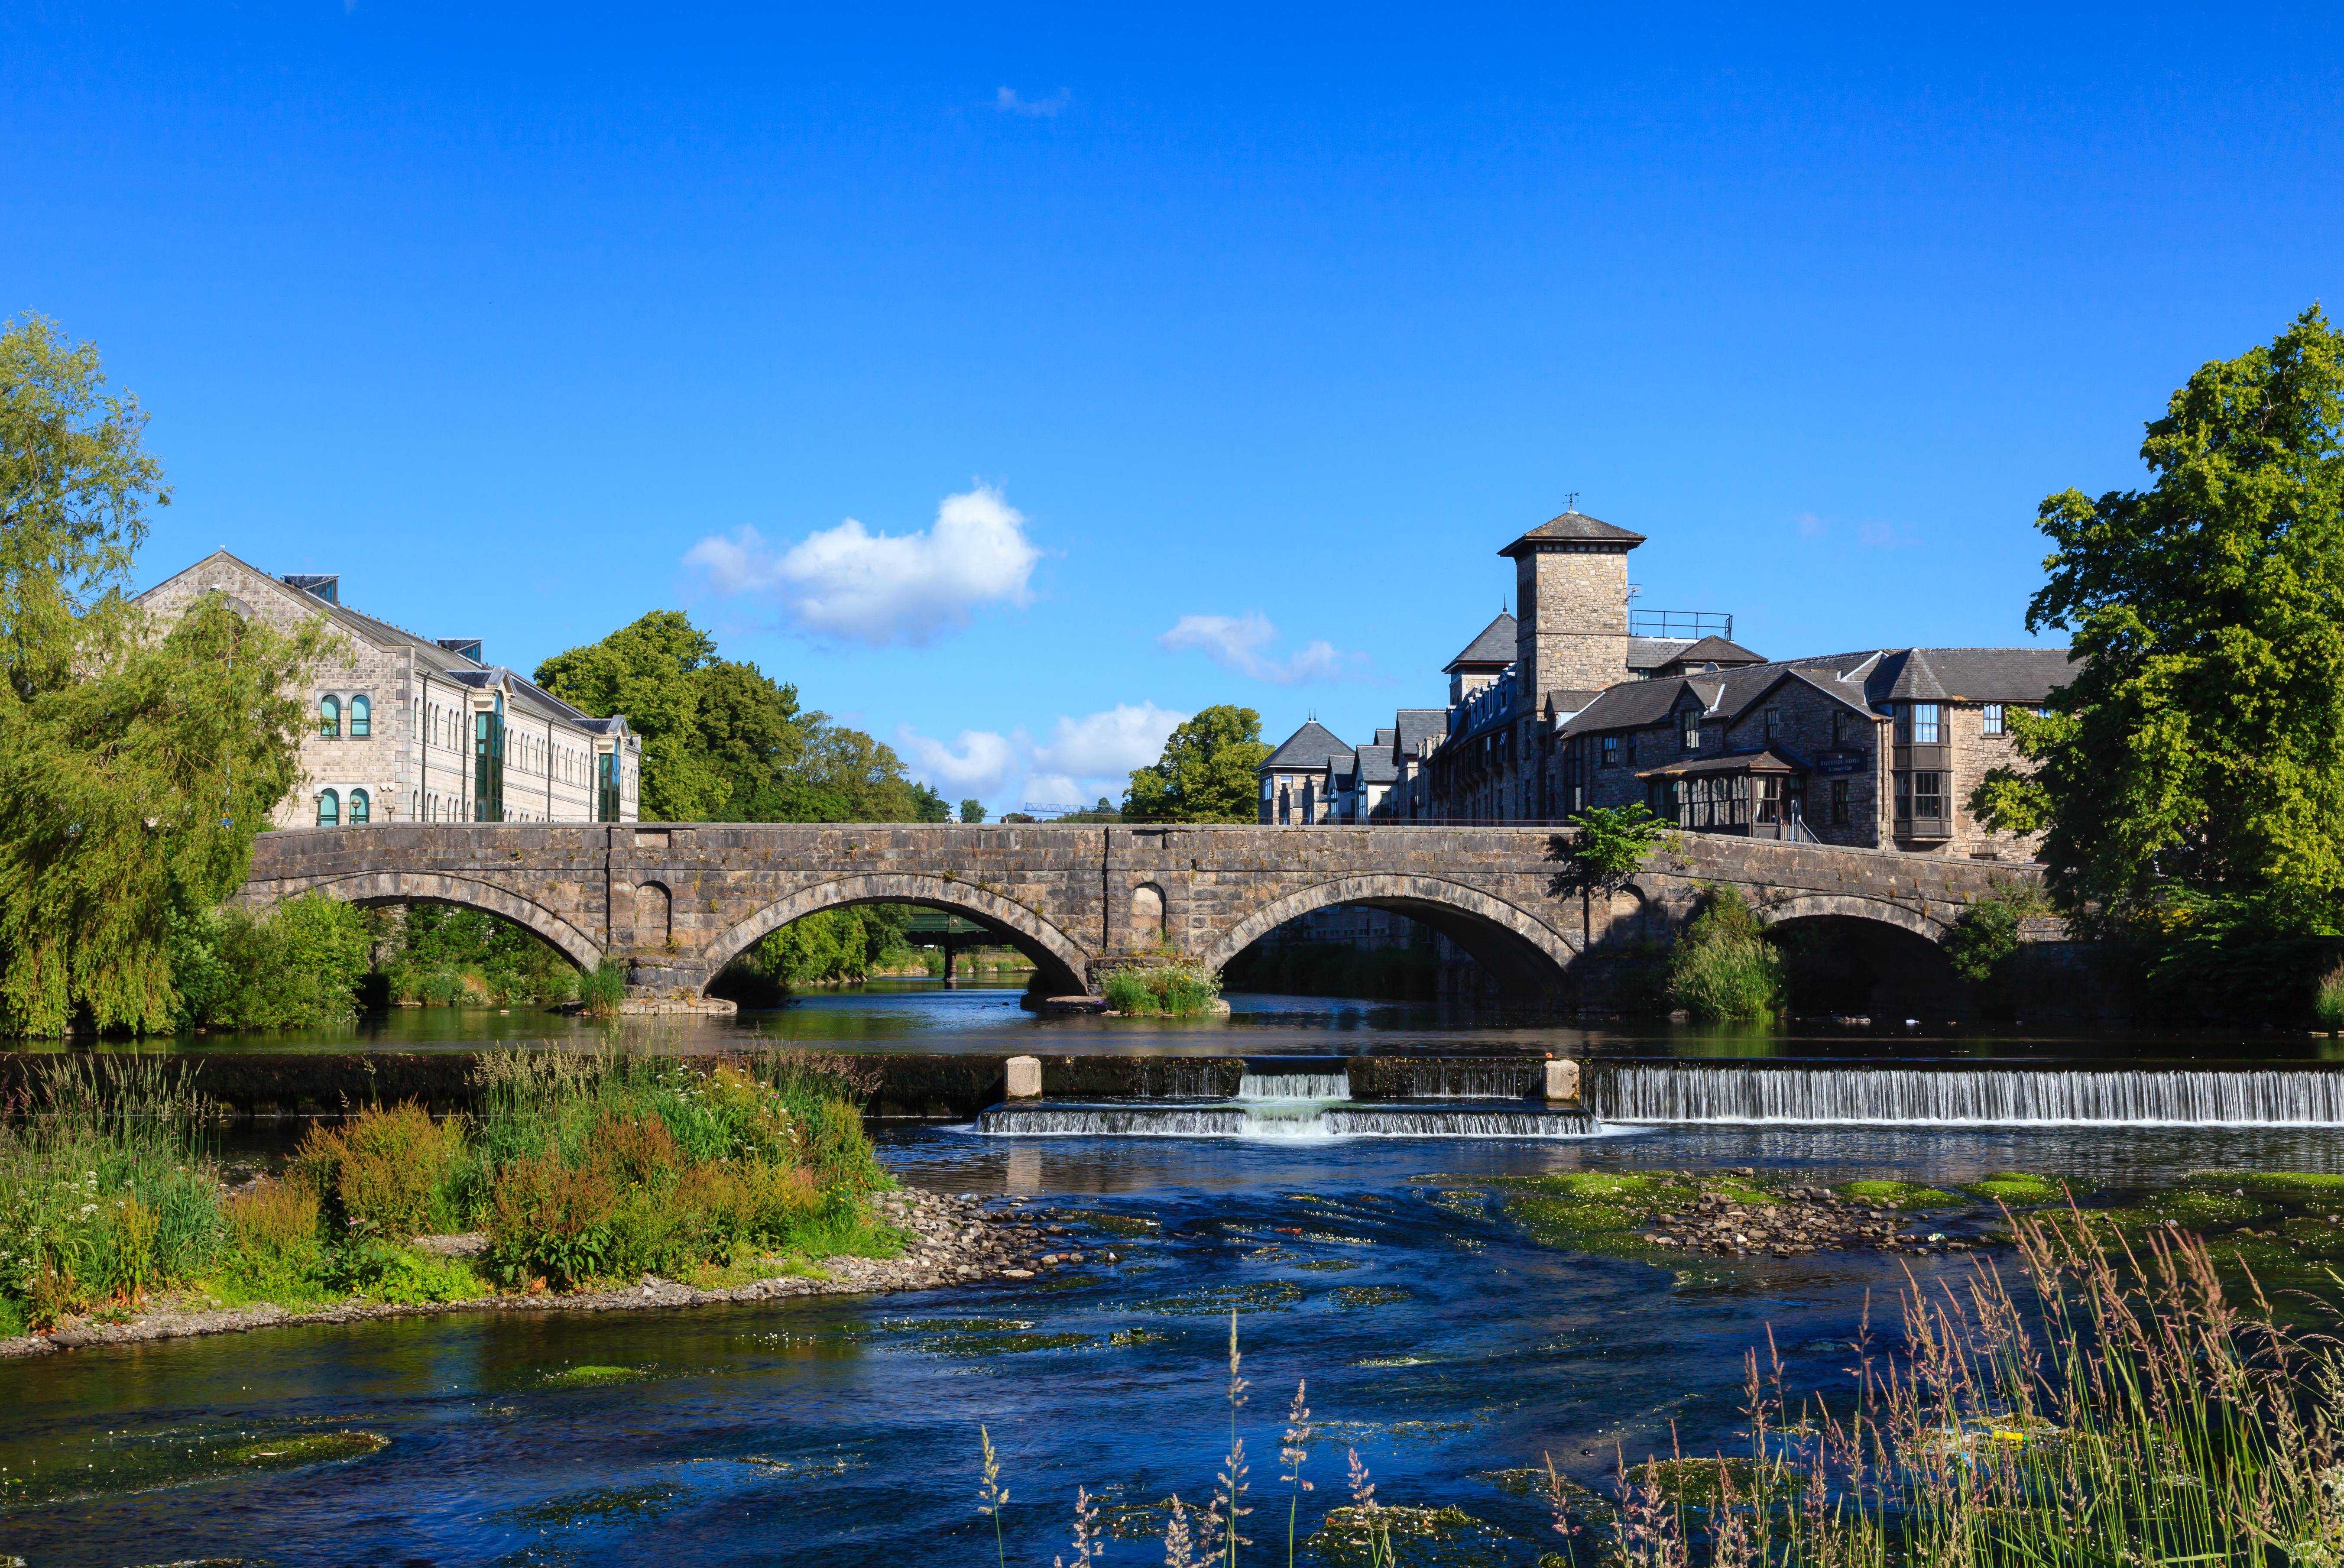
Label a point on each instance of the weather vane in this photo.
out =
(1571, 500)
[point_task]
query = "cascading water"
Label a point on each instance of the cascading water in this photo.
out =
(1273, 1105)
(1294, 1087)
(1966, 1096)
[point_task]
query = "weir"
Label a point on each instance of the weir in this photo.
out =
(1877, 1095)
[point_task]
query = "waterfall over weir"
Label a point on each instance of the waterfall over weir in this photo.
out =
(1286, 1105)
(1856, 1096)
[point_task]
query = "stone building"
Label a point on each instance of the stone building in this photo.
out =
(1579, 700)
(404, 728)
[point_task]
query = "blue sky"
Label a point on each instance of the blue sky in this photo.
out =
(1206, 356)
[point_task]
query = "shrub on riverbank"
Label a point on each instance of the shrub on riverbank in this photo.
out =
(300, 963)
(580, 1167)
(1723, 968)
(1178, 990)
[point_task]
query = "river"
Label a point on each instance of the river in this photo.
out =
(1439, 1338)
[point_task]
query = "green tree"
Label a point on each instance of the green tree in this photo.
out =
(972, 810)
(1612, 844)
(74, 486)
(1207, 772)
(927, 805)
(2200, 743)
(722, 742)
(134, 793)
(649, 670)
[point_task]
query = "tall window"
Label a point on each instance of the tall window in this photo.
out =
(489, 763)
(1774, 723)
(1991, 714)
(330, 717)
(330, 809)
(1769, 801)
(1839, 801)
(1924, 723)
(359, 806)
(1902, 718)
(1692, 729)
(1610, 751)
(361, 717)
(1839, 726)
(1904, 797)
(1928, 797)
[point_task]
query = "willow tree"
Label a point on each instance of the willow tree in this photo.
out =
(136, 760)
(2198, 752)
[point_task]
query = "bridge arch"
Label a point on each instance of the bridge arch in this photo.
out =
(1845, 906)
(1522, 951)
(1061, 963)
(372, 888)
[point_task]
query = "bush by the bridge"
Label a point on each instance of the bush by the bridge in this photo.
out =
(1723, 968)
(1177, 990)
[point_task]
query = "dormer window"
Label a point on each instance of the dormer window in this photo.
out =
(1693, 729)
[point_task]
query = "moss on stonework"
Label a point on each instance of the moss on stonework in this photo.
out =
(1898, 1194)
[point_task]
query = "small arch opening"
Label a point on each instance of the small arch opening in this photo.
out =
(361, 718)
(360, 808)
(1146, 914)
(330, 717)
(330, 809)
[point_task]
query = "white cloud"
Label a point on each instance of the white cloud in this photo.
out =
(878, 588)
(1083, 758)
(980, 760)
(1810, 526)
(1007, 101)
(1109, 744)
(1236, 641)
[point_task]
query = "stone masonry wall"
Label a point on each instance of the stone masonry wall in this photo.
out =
(679, 901)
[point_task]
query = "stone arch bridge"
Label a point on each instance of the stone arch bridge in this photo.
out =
(678, 901)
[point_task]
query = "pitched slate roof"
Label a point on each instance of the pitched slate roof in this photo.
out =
(1493, 648)
(1971, 675)
(1309, 749)
(1717, 651)
(1652, 652)
(1860, 680)
(1756, 760)
(1417, 725)
(1575, 525)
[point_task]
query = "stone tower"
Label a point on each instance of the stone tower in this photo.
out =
(1571, 596)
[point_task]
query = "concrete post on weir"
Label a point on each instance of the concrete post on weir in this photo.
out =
(1024, 1078)
(1562, 1078)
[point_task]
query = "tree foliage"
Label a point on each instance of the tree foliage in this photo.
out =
(2200, 743)
(722, 742)
(1613, 841)
(301, 963)
(132, 793)
(1208, 772)
(74, 486)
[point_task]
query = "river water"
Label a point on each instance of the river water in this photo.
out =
(1437, 1338)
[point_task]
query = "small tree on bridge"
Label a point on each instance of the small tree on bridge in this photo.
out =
(1612, 843)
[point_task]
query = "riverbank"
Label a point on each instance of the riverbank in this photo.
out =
(947, 1242)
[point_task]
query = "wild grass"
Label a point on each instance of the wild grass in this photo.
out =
(605, 989)
(1176, 989)
(2328, 1003)
(1723, 968)
(2084, 1406)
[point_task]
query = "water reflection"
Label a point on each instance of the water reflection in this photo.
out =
(983, 1019)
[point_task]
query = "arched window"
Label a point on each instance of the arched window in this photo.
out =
(361, 714)
(358, 806)
(330, 717)
(330, 808)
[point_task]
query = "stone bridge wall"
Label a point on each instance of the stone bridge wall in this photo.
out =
(678, 901)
